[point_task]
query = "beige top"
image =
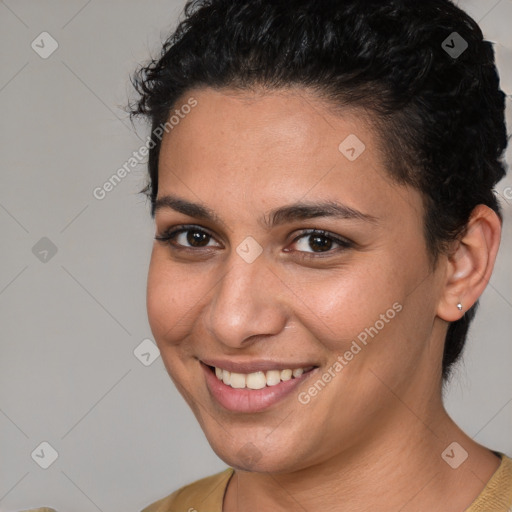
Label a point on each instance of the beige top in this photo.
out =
(207, 494)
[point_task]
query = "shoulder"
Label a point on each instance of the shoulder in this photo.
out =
(42, 509)
(204, 495)
(497, 494)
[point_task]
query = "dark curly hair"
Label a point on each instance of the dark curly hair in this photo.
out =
(438, 117)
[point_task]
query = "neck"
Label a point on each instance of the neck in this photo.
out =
(400, 467)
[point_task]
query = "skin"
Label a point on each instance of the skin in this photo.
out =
(372, 438)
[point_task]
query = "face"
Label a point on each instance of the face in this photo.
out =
(252, 283)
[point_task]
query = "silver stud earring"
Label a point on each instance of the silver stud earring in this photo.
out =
(459, 306)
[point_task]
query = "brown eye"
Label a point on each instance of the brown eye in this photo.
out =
(196, 238)
(320, 242)
(187, 237)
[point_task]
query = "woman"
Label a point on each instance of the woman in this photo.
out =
(321, 178)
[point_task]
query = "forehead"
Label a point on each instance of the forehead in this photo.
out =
(290, 117)
(273, 146)
(268, 131)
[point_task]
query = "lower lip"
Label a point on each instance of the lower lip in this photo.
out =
(250, 400)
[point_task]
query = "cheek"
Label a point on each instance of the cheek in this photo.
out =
(337, 307)
(158, 302)
(166, 302)
(170, 297)
(369, 315)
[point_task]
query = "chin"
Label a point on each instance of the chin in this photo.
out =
(260, 457)
(256, 463)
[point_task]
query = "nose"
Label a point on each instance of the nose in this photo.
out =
(246, 303)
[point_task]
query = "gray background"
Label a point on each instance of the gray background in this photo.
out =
(70, 324)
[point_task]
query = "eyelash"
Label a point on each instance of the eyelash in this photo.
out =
(170, 234)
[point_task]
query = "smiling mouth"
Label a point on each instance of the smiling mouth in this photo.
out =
(259, 379)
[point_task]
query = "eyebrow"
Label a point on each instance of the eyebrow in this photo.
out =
(277, 216)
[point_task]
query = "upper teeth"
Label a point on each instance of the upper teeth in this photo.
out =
(257, 380)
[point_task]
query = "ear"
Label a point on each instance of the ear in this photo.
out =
(469, 266)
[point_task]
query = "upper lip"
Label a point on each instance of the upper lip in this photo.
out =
(260, 365)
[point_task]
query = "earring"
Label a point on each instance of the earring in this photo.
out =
(459, 306)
